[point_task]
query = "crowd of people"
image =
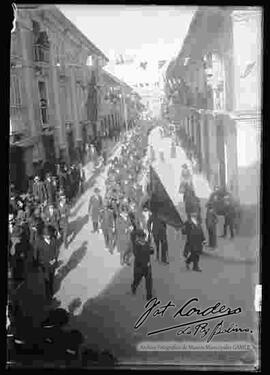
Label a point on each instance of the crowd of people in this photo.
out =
(38, 221)
(115, 213)
(220, 203)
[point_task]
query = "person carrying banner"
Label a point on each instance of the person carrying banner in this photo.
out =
(159, 230)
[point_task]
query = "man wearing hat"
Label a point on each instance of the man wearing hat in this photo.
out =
(47, 255)
(142, 266)
(50, 217)
(194, 241)
(39, 191)
(229, 215)
(94, 208)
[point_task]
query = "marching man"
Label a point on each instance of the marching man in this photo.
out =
(94, 208)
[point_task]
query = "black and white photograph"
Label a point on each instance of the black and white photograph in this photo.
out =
(134, 223)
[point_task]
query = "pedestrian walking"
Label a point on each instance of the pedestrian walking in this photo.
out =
(142, 265)
(107, 225)
(211, 225)
(192, 203)
(47, 256)
(229, 216)
(94, 208)
(194, 241)
(36, 225)
(122, 234)
(50, 189)
(50, 217)
(63, 219)
(39, 191)
(159, 230)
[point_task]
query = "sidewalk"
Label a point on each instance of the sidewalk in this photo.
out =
(241, 248)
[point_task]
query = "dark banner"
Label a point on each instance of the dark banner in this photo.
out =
(160, 202)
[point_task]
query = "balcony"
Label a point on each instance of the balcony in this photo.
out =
(41, 53)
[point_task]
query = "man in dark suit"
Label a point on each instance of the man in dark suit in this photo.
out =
(39, 191)
(50, 190)
(229, 214)
(159, 230)
(51, 217)
(195, 240)
(46, 256)
(142, 266)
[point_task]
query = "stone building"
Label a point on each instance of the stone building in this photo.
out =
(56, 93)
(50, 71)
(213, 92)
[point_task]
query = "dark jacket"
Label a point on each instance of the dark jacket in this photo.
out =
(50, 191)
(229, 212)
(39, 191)
(142, 253)
(195, 236)
(44, 253)
(211, 219)
(192, 204)
(159, 228)
(51, 219)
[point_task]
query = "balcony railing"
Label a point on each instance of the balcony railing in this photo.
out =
(41, 53)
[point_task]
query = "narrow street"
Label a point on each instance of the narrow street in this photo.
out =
(103, 132)
(93, 285)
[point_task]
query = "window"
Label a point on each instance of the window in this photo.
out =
(42, 47)
(89, 61)
(43, 102)
(15, 91)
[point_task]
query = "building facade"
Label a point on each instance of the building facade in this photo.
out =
(213, 91)
(56, 93)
